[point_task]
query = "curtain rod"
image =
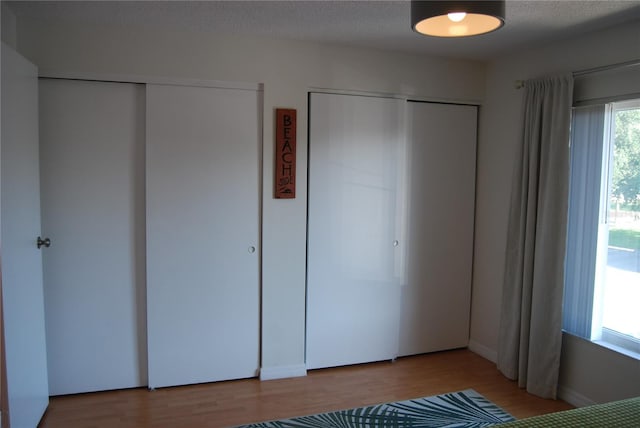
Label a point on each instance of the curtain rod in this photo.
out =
(520, 83)
(603, 68)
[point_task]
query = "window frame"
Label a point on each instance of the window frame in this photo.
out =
(591, 327)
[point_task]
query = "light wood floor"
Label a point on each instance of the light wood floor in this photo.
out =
(231, 403)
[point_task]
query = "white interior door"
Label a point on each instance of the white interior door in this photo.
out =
(355, 240)
(436, 298)
(203, 166)
(92, 166)
(24, 328)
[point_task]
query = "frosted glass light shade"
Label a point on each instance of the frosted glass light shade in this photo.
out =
(432, 18)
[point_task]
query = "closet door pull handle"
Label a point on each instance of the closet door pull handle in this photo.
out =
(46, 242)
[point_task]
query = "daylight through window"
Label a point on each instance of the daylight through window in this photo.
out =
(621, 289)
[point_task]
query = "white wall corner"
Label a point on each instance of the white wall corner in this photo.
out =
(483, 351)
(282, 372)
(574, 398)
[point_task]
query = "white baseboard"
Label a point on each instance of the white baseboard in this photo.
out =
(574, 398)
(483, 351)
(281, 372)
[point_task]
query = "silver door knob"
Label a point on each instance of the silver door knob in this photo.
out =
(46, 242)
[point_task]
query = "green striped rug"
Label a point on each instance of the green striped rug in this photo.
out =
(616, 414)
(454, 410)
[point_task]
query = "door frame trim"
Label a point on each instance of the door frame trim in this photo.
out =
(156, 80)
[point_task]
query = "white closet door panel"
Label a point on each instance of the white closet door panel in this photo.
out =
(22, 294)
(354, 268)
(437, 296)
(202, 234)
(92, 163)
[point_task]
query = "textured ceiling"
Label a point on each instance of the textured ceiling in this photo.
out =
(377, 24)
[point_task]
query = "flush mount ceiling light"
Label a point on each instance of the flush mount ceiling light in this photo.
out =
(456, 18)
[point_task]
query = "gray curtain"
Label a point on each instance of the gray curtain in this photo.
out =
(530, 334)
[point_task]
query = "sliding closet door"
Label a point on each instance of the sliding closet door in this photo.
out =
(437, 296)
(203, 165)
(92, 173)
(356, 161)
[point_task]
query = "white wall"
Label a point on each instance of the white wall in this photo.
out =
(287, 69)
(9, 23)
(500, 128)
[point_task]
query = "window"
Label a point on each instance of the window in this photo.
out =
(602, 279)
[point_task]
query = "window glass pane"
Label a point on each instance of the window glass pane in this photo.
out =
(622, 274)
